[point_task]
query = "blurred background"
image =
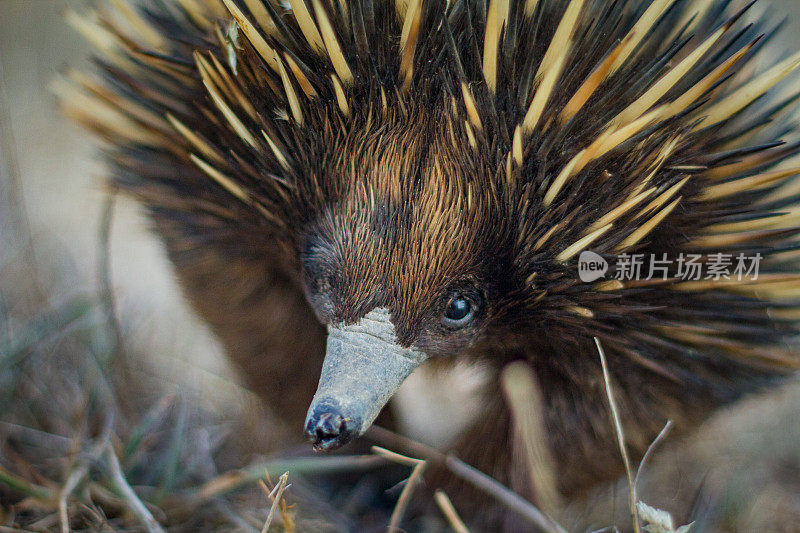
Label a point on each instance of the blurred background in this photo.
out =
(54, 270)
(53, 201)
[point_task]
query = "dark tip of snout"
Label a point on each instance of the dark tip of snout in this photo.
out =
(328, 430)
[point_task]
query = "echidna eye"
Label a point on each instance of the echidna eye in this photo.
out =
(459, 312)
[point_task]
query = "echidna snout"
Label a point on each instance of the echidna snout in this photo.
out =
(364, 366)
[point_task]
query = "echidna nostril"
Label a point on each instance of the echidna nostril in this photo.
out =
(327, 429)
(330, 426)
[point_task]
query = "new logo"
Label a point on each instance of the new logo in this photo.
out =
(591, 266)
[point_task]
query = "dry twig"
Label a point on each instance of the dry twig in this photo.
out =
(473, 476)
(503, 494)
(275, 496)
(418, 468)
(449, 512)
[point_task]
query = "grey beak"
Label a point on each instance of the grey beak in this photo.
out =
(363, 368)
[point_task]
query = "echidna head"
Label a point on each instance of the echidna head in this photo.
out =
(405, 265)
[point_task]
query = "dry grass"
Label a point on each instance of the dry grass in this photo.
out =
(655, 520)
(85, 445)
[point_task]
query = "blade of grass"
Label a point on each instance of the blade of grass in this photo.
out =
(231, 481)
(125, 491)
(50, 325)
(632, 498)
(526, 405)
(24, 486)
(169, 478)
(661, 436)
(104, 274)
(148, 422)
(418, 468)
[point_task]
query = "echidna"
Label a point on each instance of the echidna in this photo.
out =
(415, 180)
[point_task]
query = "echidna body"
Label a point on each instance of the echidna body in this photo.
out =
(416, 179)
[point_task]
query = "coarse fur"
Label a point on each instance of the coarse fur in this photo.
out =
(307, 165)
